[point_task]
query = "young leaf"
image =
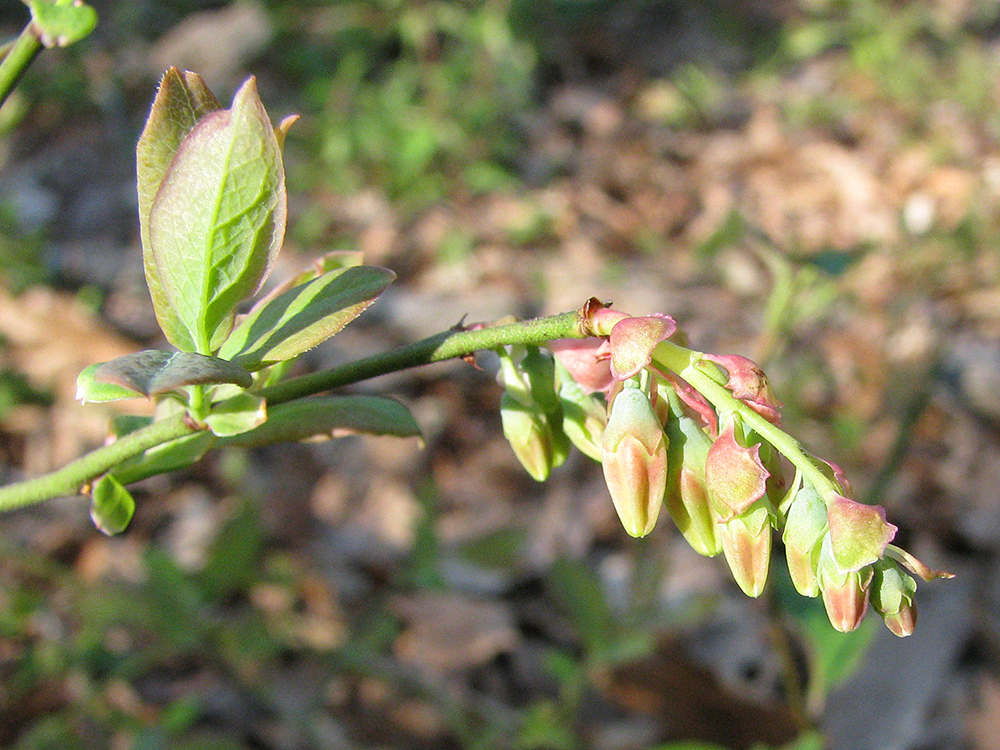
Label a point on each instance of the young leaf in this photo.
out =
(90, 391)
(236, 415)
(330, 416)
(63, 22)
(177, 454)
(111, 506)
(181, 101)
(218, 218)
(304, 316)
(153, 372)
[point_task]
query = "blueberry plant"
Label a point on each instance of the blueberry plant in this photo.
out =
(696, 433)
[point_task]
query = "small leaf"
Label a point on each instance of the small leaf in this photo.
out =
(90, 391)
(181, 101)
(111, 506)
(62, 23)
(218, 218)
(177, 454)
(330, 416)
(236, 415)
(153, 372)
(304, 316)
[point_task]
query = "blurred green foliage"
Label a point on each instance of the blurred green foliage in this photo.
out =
(419, 100)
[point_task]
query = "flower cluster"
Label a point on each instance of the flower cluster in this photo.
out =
(700, 434)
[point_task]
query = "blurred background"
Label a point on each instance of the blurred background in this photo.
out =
(814, 184)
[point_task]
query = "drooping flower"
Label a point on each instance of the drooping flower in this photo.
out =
(635, 461)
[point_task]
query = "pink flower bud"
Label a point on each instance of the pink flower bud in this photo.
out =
(859, 533)
(845, 592)
(846, 598)
(633, 341)
(746, 542)
(635, 461)
(750, 385)
(735, 476)
(586, 360)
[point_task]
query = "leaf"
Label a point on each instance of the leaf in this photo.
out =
(304, 316)
(235, 554)
(62, 23)
(181, 101)
(218, 218)
(111, 506)
(236, 415)
(331, 416)
(153, 372)
(177, 454)
(90, 391)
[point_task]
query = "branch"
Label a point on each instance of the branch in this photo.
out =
(17, 60)
(443, 346)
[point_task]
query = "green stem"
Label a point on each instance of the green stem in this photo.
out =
(684, 363)
(69, 479)
(438, 348)
(17, 60)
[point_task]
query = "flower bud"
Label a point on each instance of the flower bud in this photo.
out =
(633, 341)
(635, 461)
(531, 412)
(746, 542)
(892, 593)
(750, 385)
(584, 414)
(737, 481)
(845, 592)
(859, 533)
(805, 527)
(687, 494)
(529, 436)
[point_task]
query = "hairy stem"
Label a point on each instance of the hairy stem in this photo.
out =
(447, 345)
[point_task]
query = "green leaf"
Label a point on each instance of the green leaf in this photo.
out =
(330, 416)
(153, 372)
(62, 23)
(218, 218)
(181, 101)
(177, 454)
(235, 554)
(91, 391)
(304, 316)
(236, 415)
(111, 506)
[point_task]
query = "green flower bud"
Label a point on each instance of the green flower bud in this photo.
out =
(687, 492)
(531, 412)
(635, 461)
(584, 415)
(805, 527)
(892, 593)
